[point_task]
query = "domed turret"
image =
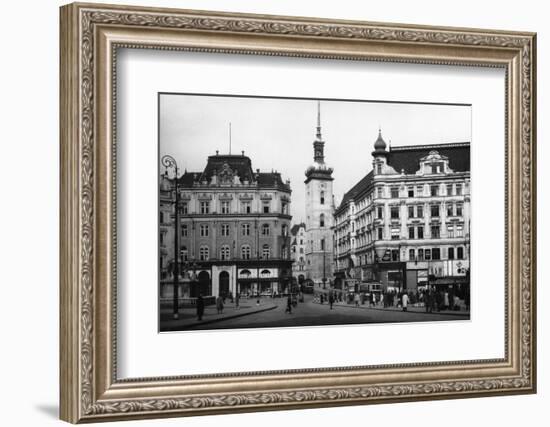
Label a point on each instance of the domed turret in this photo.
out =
(379, 145)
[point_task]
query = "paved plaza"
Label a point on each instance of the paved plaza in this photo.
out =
(271, 312)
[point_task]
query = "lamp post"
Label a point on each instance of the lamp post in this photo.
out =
(169, 162)
(324, 266)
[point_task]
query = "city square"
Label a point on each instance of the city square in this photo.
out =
(234, 252)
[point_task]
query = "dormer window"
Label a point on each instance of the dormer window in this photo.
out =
(434, 163)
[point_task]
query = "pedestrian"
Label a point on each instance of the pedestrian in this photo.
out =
(404, 301)
(288, 305)
(446, 300)
(200, 307)
(330, 299)
(321, 299)
(237, 298)
(219, 304)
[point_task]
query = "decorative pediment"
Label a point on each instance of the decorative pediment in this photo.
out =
(204, 196)
(266, 196)
(245, 196)
(226, 175)
(185, 196)
(434, 163)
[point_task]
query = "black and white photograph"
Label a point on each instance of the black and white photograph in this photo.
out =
(295, 212)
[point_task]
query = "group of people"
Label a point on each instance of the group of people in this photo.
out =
(430, 298)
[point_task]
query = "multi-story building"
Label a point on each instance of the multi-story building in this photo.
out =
(407, 222)
(298, 251)
(319, 213)
(233, 230)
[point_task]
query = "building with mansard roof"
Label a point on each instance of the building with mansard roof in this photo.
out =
(233, 230)
(406, 224)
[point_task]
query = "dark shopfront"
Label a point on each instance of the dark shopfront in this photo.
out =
(457, 285)
(392, 275)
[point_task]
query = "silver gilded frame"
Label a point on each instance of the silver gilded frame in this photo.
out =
(90, 37)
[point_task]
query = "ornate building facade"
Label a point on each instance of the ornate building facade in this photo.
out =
(406, 224)
(319, 213)
(233, 230)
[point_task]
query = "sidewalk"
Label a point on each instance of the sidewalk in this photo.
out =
(410, 309)
(188, 316)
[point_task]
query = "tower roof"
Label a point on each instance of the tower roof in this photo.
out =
(379, 144)
(318, 168)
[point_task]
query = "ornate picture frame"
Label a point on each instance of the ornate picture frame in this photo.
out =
(90, 37)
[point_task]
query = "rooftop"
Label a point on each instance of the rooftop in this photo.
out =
(407, 158)
(232, 169)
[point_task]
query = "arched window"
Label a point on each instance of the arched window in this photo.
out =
(266, 252)
(204, 253)
(322, 197)
(265, 229)
(322, 220)
(224, 253)
(245, 251)
(183, 254)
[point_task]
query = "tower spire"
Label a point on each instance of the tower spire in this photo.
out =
(319, 137)
(318, 144)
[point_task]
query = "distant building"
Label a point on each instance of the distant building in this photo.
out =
(233, 230)
(407, 222)
(319, 213)
(298, 251)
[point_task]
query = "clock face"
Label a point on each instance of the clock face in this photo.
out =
(318, 153)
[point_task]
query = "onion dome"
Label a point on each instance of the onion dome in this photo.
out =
(380, 144)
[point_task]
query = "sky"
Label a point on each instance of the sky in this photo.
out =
(278, 134)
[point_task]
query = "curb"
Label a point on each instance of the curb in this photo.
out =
(441, 313)
(206, 322)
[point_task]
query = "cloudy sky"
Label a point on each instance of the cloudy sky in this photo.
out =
(278, 133)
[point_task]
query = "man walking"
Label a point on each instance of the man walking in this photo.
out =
(200, 307)
(405, 301)
(288, 305)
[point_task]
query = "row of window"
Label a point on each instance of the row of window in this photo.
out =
(435, 254)
(421, 254)
(225, 207)
(225, 253)
(204, 230)
(453, 230)
(417, 211)
(419, 191)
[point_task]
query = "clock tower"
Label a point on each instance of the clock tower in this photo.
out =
(319, 213)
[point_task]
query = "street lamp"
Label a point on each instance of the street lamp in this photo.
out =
(169, 162)
(324, 266)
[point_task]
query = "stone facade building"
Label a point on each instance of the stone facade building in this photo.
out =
(298, 252)
(406, 224)
(234, 230)
(319, 213)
